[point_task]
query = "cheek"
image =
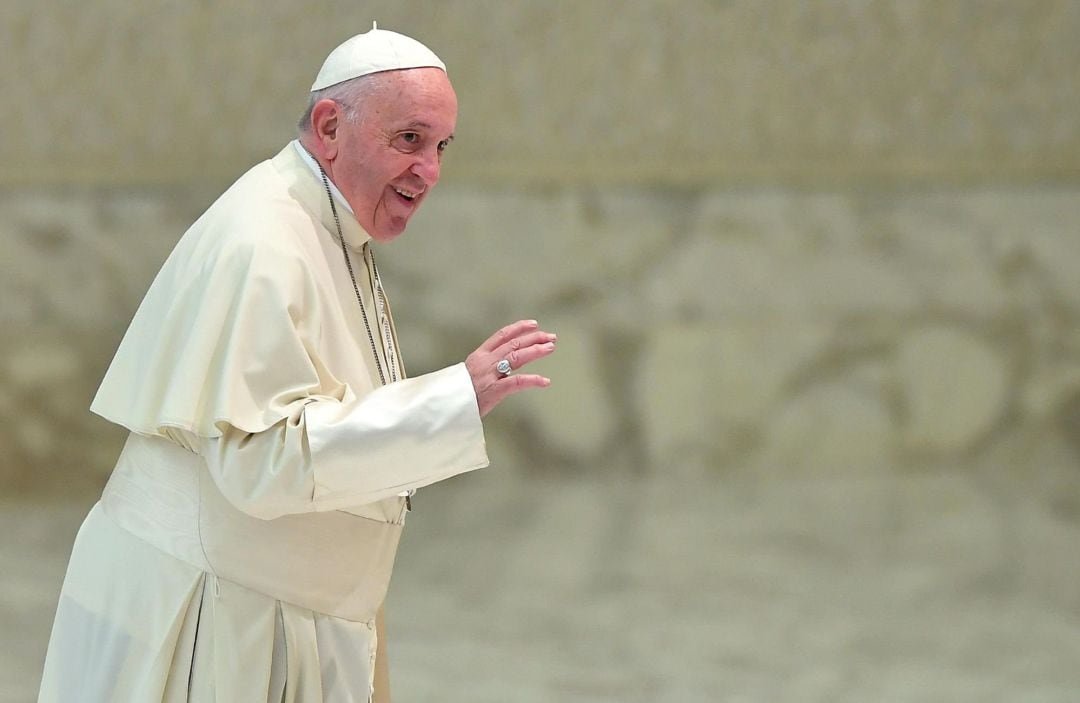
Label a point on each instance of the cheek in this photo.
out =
(364, 188)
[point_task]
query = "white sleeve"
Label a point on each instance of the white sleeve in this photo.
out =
(333, 455)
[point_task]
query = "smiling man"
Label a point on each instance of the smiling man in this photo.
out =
(243, 547)
(381, 140)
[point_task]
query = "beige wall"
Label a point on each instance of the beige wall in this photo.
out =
(775, 237)
(689, 93)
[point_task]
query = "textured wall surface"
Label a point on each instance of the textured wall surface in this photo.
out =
(814, 431)
(692, 91)
(755, 330)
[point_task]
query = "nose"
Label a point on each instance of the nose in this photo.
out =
(427, 166)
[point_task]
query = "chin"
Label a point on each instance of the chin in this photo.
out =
(385, 235)
(389, 231)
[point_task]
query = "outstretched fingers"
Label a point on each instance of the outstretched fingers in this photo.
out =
(526, 348)
(523, 381)
(511, 331)
(515, 384)
(518, 344)
(521, 357)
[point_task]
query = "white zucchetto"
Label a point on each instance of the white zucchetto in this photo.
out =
(373, 52)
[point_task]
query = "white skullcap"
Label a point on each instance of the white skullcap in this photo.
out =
(373, 52)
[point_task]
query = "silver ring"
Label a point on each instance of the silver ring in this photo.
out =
(503, 367)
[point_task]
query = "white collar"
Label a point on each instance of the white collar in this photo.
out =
(314, 166)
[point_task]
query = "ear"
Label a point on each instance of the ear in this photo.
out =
(326, 116)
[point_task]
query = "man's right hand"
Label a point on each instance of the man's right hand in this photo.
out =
(519, 343)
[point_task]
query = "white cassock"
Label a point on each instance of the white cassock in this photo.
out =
(245, 540)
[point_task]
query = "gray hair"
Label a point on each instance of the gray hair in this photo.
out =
(350, 95)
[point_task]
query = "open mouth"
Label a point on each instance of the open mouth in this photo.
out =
(406, 195)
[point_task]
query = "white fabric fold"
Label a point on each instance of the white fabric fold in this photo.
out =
(252, 313)
(403, 436)
(135, 624)
(249, 350)
(334, 455)
(316, 171)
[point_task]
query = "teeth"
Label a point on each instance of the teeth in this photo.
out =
(405, 193)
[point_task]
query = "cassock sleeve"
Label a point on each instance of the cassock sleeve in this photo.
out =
(333, 455)
(225, 351)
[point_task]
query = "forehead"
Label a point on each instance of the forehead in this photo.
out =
(418, 97)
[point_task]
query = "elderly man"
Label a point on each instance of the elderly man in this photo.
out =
(242, 548)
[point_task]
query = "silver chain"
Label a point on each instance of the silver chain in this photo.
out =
(356, 288)
(384, 319)
(380, 302)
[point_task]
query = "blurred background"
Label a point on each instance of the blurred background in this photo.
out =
(814, 430)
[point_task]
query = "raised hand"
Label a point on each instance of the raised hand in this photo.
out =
(518, 344)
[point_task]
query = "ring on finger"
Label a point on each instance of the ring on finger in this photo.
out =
(503, 368)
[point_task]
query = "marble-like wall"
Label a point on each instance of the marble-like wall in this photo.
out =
(776, 238)
(691, 92)
(755, 330)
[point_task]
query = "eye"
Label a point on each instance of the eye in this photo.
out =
(443, 144)
(407, 141)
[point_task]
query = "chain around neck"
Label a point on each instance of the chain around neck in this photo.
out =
(352, 277)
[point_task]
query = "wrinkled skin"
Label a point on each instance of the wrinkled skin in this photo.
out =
(385, 162)
(395, 144)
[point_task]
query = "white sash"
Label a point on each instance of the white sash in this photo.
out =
(331, 562)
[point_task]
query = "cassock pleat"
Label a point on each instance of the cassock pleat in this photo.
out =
(145, 626)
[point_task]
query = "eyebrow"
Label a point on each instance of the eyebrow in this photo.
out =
(418, 124)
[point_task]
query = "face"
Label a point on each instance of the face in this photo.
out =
(387, 161)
